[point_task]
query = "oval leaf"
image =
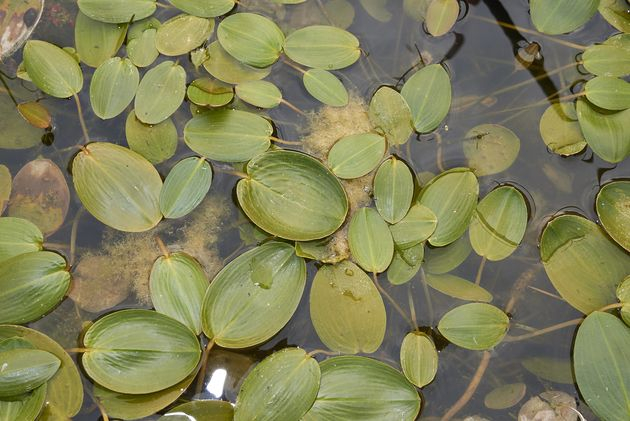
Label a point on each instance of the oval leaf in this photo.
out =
(284, 385)
(325, 87)
(155, 142)
(118, 187)
(393, 190)
(18, 236)
(390, 115)
(207, 9)
(117, 11)
(441, 15)
(457, 287)
(371, 243)
(611, 204)
(428, 94)
(292, 195)
(185, 187)
(418, 358)
(178, 284)
(95, 41)
(322, 47)
(160, 93)
(24, 370)
(267, 283)
(356, 155)
(113, 86)
(228, 69)
(560, 130)
(53, 70)
(491, 149)
(415, 228)
(609, 93)
(139, 351)
(561, 16)
(475, 326)
(182, 34)
(259, 93)
(347, 310)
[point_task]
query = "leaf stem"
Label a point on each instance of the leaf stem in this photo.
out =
(292, 107)
(162, 247)
(284, 142)
(392, 301)
(73, 234)
(204, 364)
(480, 270)
(86, 136)
(470, 390)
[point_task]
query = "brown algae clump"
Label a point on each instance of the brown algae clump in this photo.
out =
(125, 261)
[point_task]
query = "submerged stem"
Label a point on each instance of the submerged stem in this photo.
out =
(204, 364)
(86, 136)
(285, 142)
(392, 301)
(470, 390)
(480, 270)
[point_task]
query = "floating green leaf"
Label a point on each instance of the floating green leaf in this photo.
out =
(284, 385)
(610, 93)
(499, 223)
(356, 155)
(178, 284)
(139, 351)
(228, 135)
(607, 60)
(457, 287)
(185, 187)
(117, 186)
(616, 13)
(418, 358)
(347, 310)
(390, 115)
(229, 70)
(560, 130)
(581, 262)
(207, 92)
(441, 15)
(207, 9)
(370, 241)
(18, 236)
(131, 407)
(362, 388)
(117, 11)
(25, 409)
(31, 285)
(113, 87)
(428, 94)
(251, 39)
(623, 295)
(475, 326)
(210, 410)
(52, 70)
(95, 41)
(491, 149)
(602, 348)
(405, 264)
(452, 196)
(155, 142)
(561, 16)
(24, 370)
(445, 259)
(254, 296)
(293, 196)
(161, 92)
(393, 190)
(325, 87)
(259, 93)
(182, 34)
(141, 37)
(322, 47)
(64, 394)
(613, 211)
(415, 228)
(607, 133)
(505, 396)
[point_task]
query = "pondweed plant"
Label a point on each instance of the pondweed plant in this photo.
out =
(345, 195)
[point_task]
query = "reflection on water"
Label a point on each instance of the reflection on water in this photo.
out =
(500, 75)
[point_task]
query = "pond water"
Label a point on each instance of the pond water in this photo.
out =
(489, 86)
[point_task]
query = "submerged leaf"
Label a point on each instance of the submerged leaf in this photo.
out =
(457, 287)
(347, 310)
(228, 69)
(505, 396)
(254, 296)
(491, 149)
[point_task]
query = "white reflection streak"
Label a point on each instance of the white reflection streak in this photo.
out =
(216, 383)
(180, 414)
